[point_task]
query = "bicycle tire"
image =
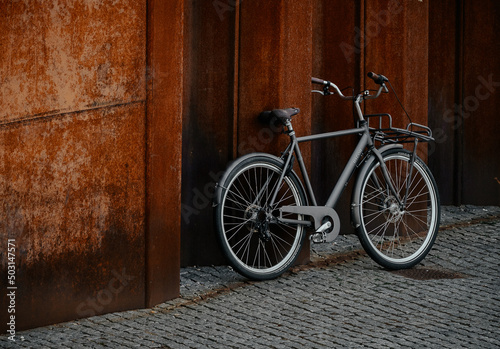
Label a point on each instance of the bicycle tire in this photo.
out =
(395, 238)
(254, 249)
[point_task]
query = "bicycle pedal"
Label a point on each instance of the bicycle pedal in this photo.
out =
(324, 235)
(318, 238)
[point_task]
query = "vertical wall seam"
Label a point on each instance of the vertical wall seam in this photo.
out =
(459, 97)
(148, 87)
(236, 87)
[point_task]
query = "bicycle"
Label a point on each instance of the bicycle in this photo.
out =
(262, 209)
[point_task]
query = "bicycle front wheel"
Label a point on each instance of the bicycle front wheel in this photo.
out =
(255, 243)
(395, 236)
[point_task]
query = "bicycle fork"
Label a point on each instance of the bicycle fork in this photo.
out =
(390, 184)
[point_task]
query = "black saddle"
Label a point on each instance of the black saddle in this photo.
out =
(282, 115)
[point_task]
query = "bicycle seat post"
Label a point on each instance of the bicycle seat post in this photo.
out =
(289, 127)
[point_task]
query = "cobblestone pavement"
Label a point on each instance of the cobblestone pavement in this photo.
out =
(341, 300)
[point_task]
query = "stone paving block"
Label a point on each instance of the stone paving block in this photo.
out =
(353, 304)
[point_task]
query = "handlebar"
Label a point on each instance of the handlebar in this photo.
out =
(326, 84)
(378, 78)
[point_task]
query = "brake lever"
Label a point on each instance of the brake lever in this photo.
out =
(325, 92)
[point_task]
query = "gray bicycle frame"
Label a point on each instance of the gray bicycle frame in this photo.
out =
(364, 142)
(349, 169)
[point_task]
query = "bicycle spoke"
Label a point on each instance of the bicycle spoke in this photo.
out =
(244, 242)
(239, 195)
(235, 232)
(235, 217)
(417, 218)
(283, 198)
(381, 214)
(243, 193)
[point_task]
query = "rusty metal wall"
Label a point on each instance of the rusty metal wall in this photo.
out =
(209, 104)
(464, 76)
(396, 45)
(241, 58)
(95, 225)
(245, 57)
(164, 148)
(480, 100)
(90, 143)
(444, 63)
(336, 57)
(275, 65)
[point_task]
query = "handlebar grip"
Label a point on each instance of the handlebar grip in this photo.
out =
(379, 79)
(319, 81)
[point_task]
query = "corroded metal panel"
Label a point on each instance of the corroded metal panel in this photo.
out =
(275, 65)
(72, 178)
(210, 49)
(336, 55)
(396, 45)
(241, 58)
(443, 92)
(478, 105)
(62, 56)
(464, 77)
(72, 190)
(164, 149)
(387, 37)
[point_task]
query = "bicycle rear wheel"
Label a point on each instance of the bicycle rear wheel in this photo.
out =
(395, 237)
(254, 242)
